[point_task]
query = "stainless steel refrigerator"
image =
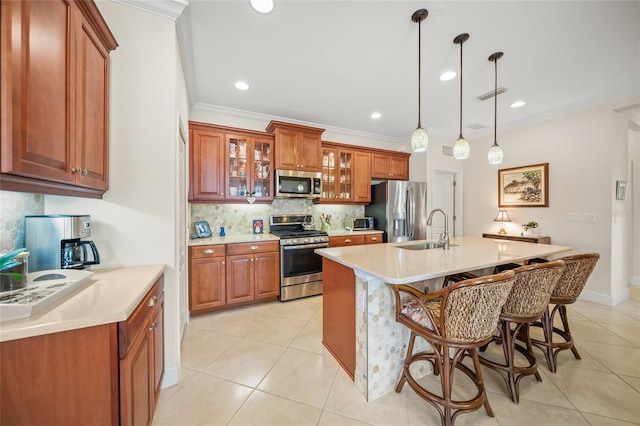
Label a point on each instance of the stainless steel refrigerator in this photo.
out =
(399, 208)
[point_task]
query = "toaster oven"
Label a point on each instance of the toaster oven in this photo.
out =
(359, 223)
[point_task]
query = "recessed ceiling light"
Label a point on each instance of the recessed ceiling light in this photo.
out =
(262, 6)
(448, 75)
(241, 85)
(517, 104)
(376, 115)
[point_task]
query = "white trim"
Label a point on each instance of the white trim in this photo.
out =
(266, 117)
(167, 8)
(603, 299)
(170, 377)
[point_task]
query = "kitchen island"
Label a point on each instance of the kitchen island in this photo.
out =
(359, 306)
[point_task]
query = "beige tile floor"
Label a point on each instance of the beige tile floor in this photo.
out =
(266, 365)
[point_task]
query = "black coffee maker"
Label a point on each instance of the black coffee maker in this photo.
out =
(55, 242)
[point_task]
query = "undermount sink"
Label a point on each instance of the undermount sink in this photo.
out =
(424, 246)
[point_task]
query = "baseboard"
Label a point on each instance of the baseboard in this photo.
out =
(170, 377)
(602, 299)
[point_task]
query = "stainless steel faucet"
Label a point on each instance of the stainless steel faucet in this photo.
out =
(443, 239)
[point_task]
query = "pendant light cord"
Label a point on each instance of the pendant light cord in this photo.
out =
(495, 108)
(461, 43)
(419, 71)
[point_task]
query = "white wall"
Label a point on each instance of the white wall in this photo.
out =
(135, 221)
(633, 190)
(586, 152)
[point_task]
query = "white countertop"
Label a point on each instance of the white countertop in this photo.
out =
(233, 238)
(344, 232)
(249, 238)
(110, 296)
(394, 265)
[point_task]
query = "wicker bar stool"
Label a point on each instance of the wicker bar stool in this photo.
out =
(526, 303)
(454, 320)
(578, 268)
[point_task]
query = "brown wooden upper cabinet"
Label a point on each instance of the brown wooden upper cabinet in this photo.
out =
(346, 174)
(229, 164)
(55, 100)
(390, 165)
(297, 147)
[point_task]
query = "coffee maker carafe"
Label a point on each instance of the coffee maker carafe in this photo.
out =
(55, 242)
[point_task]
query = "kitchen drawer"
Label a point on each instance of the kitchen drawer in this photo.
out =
(350, 240)
(373, 238)
(199, 252)
(129, 329)
(249, 248)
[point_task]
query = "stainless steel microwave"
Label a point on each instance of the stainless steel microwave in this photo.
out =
(297, 184)
(359, 223)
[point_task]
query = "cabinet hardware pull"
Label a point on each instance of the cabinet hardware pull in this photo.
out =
(223, 262)
(153, 301)
(209, 251)
(85, 172)
(254, 247)
(74, 170)
(374, 239)
(347, 240)
(153, 326)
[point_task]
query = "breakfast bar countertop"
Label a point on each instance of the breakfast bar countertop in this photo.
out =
(395, 265)
(110, 296)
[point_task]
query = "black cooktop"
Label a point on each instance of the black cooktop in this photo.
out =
(297, 233)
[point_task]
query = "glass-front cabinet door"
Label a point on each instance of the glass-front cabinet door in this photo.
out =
(336, 175)
(329, 186)
(249, 171)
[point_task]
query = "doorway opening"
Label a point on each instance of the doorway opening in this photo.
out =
(446, 193)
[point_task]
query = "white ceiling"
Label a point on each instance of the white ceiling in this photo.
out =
(333, 63)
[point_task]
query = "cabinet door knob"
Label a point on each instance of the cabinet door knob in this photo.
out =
(74, 170)
(153, 326)
(254, 247)
(85, 172)
(209, 251)
(153, 301)
(223, 262)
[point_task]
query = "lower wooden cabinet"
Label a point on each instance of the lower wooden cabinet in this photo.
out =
(207, 277)
(107, 374)
(355, 240)
(236, 274)
(141, 352)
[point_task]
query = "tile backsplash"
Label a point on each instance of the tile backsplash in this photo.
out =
(238, 218)
(15, 206)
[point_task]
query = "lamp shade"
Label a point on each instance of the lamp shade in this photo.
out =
(502, 217)
(419, 140)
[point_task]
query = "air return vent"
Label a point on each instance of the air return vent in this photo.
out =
(492, 93)
(447, 151)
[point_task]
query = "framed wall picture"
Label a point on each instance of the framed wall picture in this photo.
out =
(621, 189)
(526, 186)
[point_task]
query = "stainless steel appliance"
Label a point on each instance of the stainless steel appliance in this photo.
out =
(300, 266)
(296, 184)
(54, 242)
(400, 209)
(359, 223)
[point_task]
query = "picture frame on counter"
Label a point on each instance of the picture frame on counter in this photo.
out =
(525, 186)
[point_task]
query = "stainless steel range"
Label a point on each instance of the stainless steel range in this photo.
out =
(300, 266)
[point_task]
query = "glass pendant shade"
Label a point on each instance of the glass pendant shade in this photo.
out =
(419, 140)
(461, 149)
(495, 154)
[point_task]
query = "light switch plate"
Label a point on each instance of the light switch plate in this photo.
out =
(574, 217)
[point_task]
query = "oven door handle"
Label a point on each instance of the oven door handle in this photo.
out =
(306, 246)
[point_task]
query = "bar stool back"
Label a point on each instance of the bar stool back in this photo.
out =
(454, 321)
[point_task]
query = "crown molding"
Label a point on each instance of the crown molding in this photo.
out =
(266, 117)
(168, 8)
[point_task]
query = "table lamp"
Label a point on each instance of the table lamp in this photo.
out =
(502, 218)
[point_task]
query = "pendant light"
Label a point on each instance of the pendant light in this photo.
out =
(461, 147)
(495, 153)
(419, 139)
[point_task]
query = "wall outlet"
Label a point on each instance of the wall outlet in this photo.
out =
(574, 217)
(589, 217)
